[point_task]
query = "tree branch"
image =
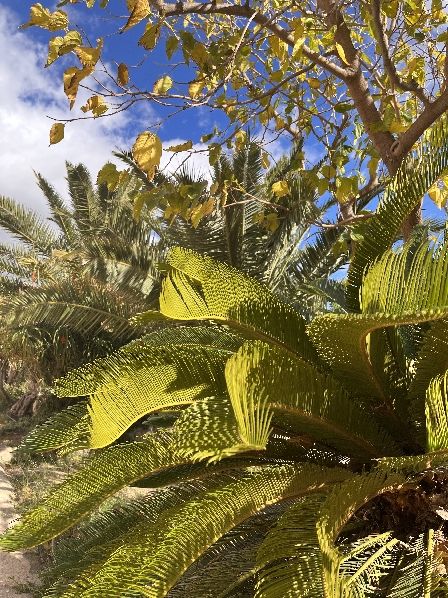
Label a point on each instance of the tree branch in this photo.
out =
(389, 66)
(429, 115)
(244, 11)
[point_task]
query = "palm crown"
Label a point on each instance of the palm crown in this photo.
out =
(299, 459)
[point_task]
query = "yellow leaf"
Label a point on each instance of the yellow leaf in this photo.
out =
(438, 196)
(214, 151)
(108, 175)
(56, 133)
(89, 56)
(72, 78)
(341, 52)
(42, 17)
(163, 85)
(139, 10)
(203, 209)
(195, 89)
(96, 104)
(396, 126)
(314, 83)
(123, 74)
(199, 54)
(271, 222)
(280, 188)
(278, 47)
(150, 36)
(147, 152)
(265, 161)
(240, 139)
(373, 166)
(62, 45)
(181, 147)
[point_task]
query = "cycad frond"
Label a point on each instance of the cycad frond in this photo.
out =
(159, 371)
(403, 287)
(153, 558)
(437, 414)
(68, 430)
(416, 175)
(340, 505)
(289, 559)
(101, 476)
(432, 358)
(267, 382)
(199, 288)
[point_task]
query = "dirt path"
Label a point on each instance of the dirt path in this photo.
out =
(15, 568)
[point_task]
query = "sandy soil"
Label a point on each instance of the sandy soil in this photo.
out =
(14, 567)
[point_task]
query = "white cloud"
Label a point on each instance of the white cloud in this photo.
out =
(27, 94)
(196, 159)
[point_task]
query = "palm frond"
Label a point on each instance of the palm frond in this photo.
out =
(60, 212)
(26, 226)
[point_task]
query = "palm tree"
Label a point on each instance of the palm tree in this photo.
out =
(298, 459)
(71, 284)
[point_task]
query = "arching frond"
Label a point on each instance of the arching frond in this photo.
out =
(159, 371)
(341, 504)
(401, 288)
(60, 212)
(67, 430)
(154, 557)
(416, 175)
(267, 383)
(101, 476)
(432, 358)
(199, 288)
(289, 559)
(437, 414)
(26, 226)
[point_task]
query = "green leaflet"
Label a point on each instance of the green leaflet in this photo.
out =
(432, 358)
(416, 175)
(83, 555)
(267, 384)
(101, 476)
(67, 430)
(208, 429)
(155, 556)
(403, 287)
(436, 409)
(289, 558)
(416, 570)
(150, 374)
(199, 288)
(340, 505)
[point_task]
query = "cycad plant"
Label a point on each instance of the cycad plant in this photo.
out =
(288, 459)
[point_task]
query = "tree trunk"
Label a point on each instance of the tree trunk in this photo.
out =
(28, 403)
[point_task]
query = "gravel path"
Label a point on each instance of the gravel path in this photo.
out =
(14, 567)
